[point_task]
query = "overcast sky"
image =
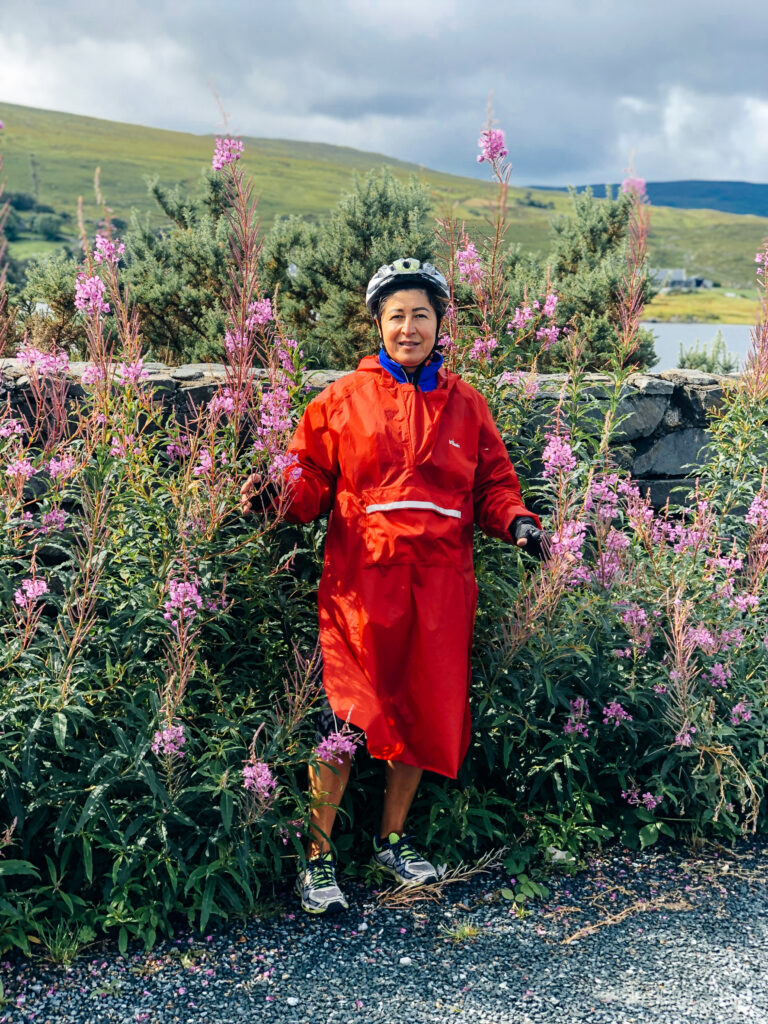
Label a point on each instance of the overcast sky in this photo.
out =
(578, 87)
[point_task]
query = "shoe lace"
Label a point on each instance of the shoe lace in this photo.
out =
(404, 850)
(322, 873)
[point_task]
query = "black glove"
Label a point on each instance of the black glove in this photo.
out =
(536, 540)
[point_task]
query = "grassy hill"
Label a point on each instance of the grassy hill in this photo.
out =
(54, 156)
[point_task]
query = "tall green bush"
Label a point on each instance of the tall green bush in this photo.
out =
(157, 649)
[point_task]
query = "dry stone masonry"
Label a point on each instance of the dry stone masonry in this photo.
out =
(662, 434)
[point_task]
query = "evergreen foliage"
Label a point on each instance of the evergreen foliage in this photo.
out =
(586, 266)
(177, 276)
(322, 271)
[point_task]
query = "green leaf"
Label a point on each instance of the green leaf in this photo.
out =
(648, 835)
(207, 902)
(59, 723)
(122, 940)
(88, 858)
(507, 894)
(18, 867)
(227, 808)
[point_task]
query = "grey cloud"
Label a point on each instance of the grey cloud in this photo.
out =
(413, 81)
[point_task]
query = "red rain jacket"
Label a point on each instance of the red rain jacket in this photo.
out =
(405, 475)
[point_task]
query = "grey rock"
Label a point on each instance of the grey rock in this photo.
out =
(650, 384)
(671, 454)
(640, 414)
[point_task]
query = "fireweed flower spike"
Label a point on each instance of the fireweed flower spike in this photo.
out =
(106, 251)
(470, 265)
(491, 145)
(30, 591)
(169, 742)
(259, 780)
(89, 295)
(228, 151)
(334, 746)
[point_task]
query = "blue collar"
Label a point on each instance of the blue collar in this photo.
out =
(423, 377)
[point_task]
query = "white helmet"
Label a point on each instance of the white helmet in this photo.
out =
(405, 273)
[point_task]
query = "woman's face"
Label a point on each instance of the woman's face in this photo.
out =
(408, 326)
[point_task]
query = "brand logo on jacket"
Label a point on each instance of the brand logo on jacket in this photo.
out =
(454, 443)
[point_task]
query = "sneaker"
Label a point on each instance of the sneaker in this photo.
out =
(398, 858)
(317, 888)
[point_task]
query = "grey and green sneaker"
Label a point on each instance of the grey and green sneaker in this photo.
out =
(397, 857)
(317, 888)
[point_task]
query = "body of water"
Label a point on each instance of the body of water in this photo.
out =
(669, 337)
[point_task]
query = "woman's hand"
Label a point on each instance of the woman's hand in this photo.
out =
(248, 491)
(526, 534)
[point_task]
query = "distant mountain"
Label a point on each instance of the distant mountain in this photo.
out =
(741, 197)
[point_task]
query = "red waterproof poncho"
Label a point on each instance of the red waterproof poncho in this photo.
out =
(405, 475)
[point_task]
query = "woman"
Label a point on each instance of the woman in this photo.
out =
(406, 459)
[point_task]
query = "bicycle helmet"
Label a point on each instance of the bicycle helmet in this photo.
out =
(405, 273)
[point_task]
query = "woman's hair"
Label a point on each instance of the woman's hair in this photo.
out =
(437, 302)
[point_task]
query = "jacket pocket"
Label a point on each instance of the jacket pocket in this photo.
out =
(415, 525)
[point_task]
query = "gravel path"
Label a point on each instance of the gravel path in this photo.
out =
(665, 936)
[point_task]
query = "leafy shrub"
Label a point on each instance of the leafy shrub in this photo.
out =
(157, 649)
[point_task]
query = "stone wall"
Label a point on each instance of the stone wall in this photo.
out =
(663, 431)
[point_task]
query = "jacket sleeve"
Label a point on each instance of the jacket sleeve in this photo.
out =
(315, 445)
(497, 495)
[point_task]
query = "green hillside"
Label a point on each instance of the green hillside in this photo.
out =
(54, 155)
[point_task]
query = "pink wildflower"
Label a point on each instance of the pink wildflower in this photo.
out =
(757, 515)
(227, 151)
(744, 602)
(602, 498)
(558, 455)
(63, 467)
(525, 382)
(44, 363)
(105, 250)
(168, 742)
(482, 348)
(11, 427)
(634, 187)
(204, 463)
(548, 336)
(285, 467)
(685, 737)
(93, 374)
(236, 343)
(740, 713)
(89, 295)
(719, 675)
(260, 313)
(491, 144)
(550, 304)
(614, 713)
(635, 619)
(577, 721)
(20, 469)
(183, 601)
(446, 343)
(333, 747)
(53, 520)
(470, 265)
(131, 373)
(569, 539)
(29, 591)
(259, 780)
(520, 320)
(178, 450)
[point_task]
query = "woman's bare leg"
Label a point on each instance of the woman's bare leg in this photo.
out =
(326, 788)
(401, 783)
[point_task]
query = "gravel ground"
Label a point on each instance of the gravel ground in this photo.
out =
(665, 936)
